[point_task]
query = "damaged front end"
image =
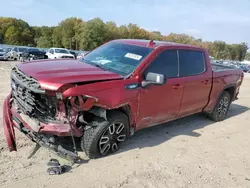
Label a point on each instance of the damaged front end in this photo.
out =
(45, 116)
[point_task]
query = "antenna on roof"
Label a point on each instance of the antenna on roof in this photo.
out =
(151, 43)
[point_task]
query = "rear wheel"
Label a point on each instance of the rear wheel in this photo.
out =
(104, 137)
(221, 108)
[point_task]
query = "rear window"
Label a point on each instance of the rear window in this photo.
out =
(191, 62)
(33, 49)
(62, 51)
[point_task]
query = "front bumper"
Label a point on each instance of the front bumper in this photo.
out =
(3, 57)
(8, 126)
(12, 119)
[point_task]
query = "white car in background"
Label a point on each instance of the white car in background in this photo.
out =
(58, 53)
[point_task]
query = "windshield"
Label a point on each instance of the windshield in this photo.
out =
(6, 49)
(118, 57)
(33, 49)
(62, 51)
(22, 49)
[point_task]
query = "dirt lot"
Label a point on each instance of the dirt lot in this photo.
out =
(191, 152)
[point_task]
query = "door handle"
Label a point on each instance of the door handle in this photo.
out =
(205, 81)
(177, 86)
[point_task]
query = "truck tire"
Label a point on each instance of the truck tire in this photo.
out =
(221, 108)
(103, 137)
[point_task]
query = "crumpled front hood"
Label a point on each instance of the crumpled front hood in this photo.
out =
(52, 74)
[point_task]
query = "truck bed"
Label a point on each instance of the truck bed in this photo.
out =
(219, 67)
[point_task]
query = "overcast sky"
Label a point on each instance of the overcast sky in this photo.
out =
(227, 20)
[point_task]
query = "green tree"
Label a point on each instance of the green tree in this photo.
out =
(155, 35)
(16, 31)
(242, 50)
(57, 37)
(218, 49)
(44, 42)
(123, 32)
(68, 29)
(247, 57)
(74, 33)
(94, 33)
(112, 31)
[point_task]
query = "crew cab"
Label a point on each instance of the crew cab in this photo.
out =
(120, 87)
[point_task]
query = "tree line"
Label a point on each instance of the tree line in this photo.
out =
(74, 33)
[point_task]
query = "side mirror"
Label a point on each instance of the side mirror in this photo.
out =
(153, 78)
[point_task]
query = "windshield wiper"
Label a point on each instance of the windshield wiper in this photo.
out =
(102, 67)
(96, 65)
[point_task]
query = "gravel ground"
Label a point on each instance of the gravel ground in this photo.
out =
(190, 152)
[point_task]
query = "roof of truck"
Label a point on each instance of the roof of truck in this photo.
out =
(154, 43)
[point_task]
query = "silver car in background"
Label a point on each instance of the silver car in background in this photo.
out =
(16, 53)
(3, 54)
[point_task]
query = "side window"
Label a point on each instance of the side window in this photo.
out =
(191, 62)
(15, 49)
(166, 63)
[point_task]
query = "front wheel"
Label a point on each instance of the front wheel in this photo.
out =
(221, 108)
(103, 137)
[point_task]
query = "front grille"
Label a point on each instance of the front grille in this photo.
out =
(26, 81)
(30, 98)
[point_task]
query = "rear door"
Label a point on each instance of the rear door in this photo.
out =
(160, 103)
(196, 80)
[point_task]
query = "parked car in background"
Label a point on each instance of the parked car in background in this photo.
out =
(16, 52)
(33, 54)
(57, 53)
(7, 49)
(3, 54)
(245, 68)
(116, 89)
(73, 53)
(81, 54)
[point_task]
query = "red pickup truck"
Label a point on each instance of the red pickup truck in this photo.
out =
(118, 88)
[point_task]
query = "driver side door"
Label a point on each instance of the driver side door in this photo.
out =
(161, 103)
